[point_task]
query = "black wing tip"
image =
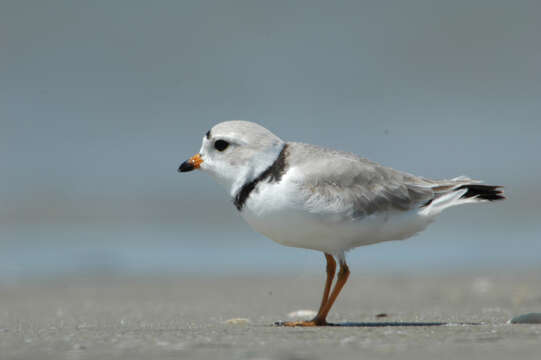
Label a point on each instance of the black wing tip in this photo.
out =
(483, 192)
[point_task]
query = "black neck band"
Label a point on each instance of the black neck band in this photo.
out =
(272, 174)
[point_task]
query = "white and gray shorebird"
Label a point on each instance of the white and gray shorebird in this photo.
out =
(311, 197)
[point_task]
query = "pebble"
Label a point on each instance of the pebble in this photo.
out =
(238, 321)
(303, 314)
(530, 318)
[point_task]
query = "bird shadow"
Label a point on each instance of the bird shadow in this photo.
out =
(391, 324)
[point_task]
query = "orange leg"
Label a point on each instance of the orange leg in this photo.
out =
(326, 301)
(341, 279)
(331, 269)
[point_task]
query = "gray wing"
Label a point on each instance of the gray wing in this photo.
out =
(346, 184)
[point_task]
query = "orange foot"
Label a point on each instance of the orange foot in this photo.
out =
(303, 323)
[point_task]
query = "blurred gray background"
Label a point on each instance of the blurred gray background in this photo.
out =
(101, 101)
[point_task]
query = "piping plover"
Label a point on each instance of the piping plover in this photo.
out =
(311, 197)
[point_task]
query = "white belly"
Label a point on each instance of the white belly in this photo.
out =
(275, 211)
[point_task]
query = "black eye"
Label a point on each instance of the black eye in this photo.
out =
(221, 145)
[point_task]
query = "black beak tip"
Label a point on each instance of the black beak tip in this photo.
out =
(185, 167)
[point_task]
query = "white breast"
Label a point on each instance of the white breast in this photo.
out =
(277, 210)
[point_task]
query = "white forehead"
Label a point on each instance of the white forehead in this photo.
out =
(244, 132)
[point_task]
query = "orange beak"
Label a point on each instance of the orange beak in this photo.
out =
(192, 163)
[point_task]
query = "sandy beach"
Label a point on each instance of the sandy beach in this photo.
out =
(209, 317)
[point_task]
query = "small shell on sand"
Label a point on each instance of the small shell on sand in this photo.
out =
(303, 314)
(238, 321)
(530, 318)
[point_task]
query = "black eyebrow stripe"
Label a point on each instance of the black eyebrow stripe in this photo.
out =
(208, 135)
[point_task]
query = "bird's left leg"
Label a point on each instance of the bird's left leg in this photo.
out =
(331, 269)
(341, 279)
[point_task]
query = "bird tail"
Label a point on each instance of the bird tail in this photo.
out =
(482, 192)
(461, 191)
